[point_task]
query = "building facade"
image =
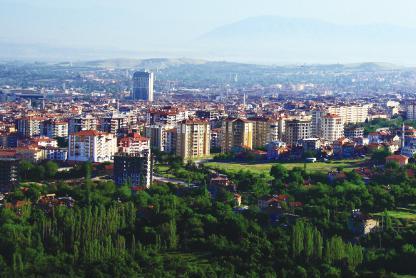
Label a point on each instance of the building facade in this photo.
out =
(54, 128)
(332, 127)
(29, 126)
(87, 122)
(297, 130)
(236, 134)
(92, 145)
(143, 86)
(135, 169)
(193, 139)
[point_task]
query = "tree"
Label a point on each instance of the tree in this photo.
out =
(87, 170)
(38, 173)
(25, 168)
(51, 168)
(379, 156)
(279, 172)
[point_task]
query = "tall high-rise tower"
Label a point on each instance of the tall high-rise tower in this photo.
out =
(143, 86)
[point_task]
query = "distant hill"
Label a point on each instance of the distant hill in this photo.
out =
(293, 39)
(153, 63)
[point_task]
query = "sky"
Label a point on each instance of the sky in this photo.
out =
(160, 24)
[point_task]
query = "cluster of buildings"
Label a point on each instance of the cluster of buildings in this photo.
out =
(126, 130)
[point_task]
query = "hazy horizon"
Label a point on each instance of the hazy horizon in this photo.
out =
(143, 29)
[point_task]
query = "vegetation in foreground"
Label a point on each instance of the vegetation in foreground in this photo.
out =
(177, 231)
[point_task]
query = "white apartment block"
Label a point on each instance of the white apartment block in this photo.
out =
(92, 145)
(331, 127)
(350, 114)
(55, 128)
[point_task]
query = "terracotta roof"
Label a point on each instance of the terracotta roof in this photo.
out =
(331, 116)
(397, 157)
(7, 153)
(89, 133)
(194, 121)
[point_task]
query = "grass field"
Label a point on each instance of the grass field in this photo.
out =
(163, 170)
(347, 165)
(403, 214)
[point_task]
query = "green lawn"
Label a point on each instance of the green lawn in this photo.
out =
(347, 165)
(400, 214)
(163, 170)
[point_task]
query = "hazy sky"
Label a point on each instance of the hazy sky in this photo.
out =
(167, 28)
(138, 24)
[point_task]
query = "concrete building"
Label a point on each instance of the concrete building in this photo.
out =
(276, 130)
(236, 134)
(410, 111)
(297, 130)
(311, 144)
(143, 86)
(87, 122)
(350, 114)
(332, 127)
(133, 144)
(166, 116)
(158, 136)
(133, 169)
(29, 126)
(113, 123)
(8, 140)
(316, 122)
(193, 139)
(8, 170)
(171, 138)
(353, 132)
(261, 129)
(54, 128)
(216, 138)
(92, 145)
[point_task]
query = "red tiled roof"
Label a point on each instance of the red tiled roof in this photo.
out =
(89, 133)
(397, 157)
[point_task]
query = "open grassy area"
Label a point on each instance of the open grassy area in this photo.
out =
(400, 214)
(347, 165)
(163, 170)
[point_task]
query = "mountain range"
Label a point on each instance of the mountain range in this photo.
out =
(263, 39)
(288, 40)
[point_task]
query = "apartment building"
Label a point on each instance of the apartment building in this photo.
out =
(113, 123)
(410, 111)
(87, 122)
(133, 143)
(351, 114)
(296, 130)
(135, 169)
(29, 126)
(54, 128)
(91, 145)
(236, 134)
(332, 127)
(193, 139)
